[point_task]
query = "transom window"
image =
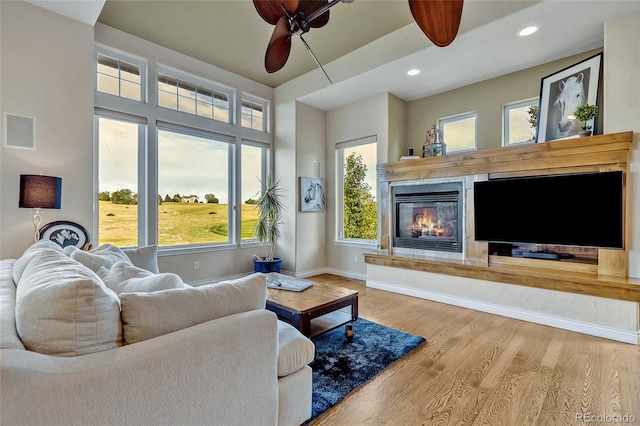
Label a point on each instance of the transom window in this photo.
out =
(117, 77)
(186, 96)
(459, 132)
(253, 115)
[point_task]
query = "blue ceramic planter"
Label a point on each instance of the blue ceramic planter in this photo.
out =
(267, 266)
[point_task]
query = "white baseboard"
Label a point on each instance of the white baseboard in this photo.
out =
(625, 336)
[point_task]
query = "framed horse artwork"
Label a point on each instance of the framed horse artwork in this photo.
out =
(561, 93)
(312, 194)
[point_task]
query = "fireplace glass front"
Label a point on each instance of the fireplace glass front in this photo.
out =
(428, 217)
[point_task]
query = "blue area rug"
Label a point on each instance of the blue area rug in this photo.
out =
(340, 367)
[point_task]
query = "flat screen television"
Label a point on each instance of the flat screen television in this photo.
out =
(576, 210)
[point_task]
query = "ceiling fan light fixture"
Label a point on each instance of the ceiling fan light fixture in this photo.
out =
(527, 31)
(413, 71)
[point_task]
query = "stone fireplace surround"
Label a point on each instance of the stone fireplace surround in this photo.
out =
(595, 297)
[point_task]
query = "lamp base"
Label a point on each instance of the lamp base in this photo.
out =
(37, 220)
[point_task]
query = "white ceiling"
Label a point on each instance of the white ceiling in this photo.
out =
(367, 46)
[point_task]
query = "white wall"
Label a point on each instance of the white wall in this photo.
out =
(358, 120)
(46, 73)
(622, 112)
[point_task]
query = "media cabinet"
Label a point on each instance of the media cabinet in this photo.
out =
(593, 276)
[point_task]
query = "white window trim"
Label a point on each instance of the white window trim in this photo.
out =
(505, 119)
(460, 117)
(123, 56)
(339, 237)
(266, 111)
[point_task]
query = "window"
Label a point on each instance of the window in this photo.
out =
(519, 127)
(254, 115)
(255, 160)
(357, 189)
(118, 145)
(185, 96)
(459, 132)
(194, 187)
(118, 77)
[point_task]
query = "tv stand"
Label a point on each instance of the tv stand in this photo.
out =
(541, 255)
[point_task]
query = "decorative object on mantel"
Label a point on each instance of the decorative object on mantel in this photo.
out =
(587, 114)
(561, 93)
(409, 155)
(434, 145)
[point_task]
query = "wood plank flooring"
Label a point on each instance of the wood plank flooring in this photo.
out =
(483, 369)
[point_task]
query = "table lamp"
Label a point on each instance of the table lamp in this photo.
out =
(39, 192)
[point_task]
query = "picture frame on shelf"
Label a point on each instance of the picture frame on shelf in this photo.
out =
(65, 233)
(312, 194)
(561, 93)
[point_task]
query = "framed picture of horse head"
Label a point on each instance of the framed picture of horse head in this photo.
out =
(561, 93)
(312, 194)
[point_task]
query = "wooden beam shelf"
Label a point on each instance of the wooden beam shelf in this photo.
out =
(612, 287)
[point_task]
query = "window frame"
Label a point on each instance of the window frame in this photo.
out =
(197, 81)
(455, 118)
(101, 49)
(339, 214)
(265, 111)
(506, 108)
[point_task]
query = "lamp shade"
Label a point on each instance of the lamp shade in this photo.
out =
(40, 192)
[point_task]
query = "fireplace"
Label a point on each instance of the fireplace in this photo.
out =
(428, 217)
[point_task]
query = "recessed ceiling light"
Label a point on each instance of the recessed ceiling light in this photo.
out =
(527, 31)
(413, 72)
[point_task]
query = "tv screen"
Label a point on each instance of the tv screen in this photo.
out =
(577, 210)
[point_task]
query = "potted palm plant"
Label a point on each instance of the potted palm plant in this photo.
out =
(586, 113)
(267, 230)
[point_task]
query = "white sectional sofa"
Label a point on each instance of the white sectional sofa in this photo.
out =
(123, 345)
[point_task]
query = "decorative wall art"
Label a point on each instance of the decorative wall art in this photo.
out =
(312, 194)
(561, 93)
(65, 234)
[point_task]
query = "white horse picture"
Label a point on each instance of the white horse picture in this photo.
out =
(312, 194)
(571, 94)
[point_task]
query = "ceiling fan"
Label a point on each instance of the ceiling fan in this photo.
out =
(438, 19)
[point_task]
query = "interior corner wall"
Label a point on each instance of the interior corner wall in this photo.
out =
(622, 97)
(46, 73)
(311, 227)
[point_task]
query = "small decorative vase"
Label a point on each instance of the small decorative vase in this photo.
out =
(584, 133)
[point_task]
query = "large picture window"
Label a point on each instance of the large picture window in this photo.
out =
(118, 153)
(193, 184)
(357, 189)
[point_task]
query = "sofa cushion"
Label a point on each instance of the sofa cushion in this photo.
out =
(126, 278)
(105, 255)
(64, 309)
(147, 315)
(294, 350)
(144, 257)
(29, 253)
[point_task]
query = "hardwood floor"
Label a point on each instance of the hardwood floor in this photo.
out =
(483, 369)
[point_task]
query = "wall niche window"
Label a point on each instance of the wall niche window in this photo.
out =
(517, 125)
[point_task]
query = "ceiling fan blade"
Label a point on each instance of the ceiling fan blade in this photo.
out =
(279, 46)
(309, 6)
(271, 10)
(438, 19)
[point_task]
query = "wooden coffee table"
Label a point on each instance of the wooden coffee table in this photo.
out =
(320, 301)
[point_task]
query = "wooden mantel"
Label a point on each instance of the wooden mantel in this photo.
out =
(608, 278)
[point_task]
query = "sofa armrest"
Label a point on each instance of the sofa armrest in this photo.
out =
(220, 372)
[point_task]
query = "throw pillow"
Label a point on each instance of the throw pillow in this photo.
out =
(144, 257)
(64, 309)
(126, 278)
(29, 254)
(105, 255)
(147, 315)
